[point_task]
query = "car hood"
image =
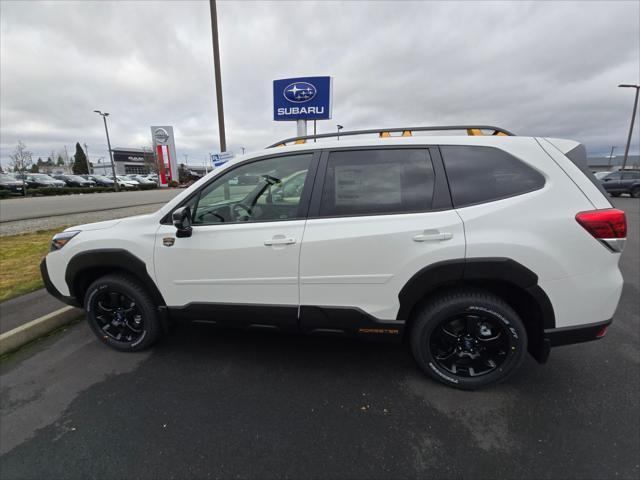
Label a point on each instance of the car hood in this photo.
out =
(95, 226)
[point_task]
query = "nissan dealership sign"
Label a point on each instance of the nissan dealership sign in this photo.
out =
(164, 146)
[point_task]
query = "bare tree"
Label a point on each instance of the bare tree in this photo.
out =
(21, 161)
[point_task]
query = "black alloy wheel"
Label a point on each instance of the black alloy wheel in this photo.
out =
(470, 344)
(121, 313)
(118, 316)
(468, 338)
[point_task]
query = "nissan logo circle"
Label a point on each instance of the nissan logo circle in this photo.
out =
(161, 135)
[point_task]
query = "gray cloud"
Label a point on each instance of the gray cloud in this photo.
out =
(538, 68)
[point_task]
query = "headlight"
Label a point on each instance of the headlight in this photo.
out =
(59, 240)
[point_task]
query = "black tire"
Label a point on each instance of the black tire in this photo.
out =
(122, 314)
(445, 348)
(635, 192)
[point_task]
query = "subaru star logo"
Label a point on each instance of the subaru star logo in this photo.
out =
(300, 92)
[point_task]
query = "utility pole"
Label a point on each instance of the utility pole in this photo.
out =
(86, 153)
(113, 165)
(218, 76)
(66, 159)
(633, 119)
(611, 156)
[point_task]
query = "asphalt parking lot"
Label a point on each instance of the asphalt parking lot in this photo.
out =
(209, 403)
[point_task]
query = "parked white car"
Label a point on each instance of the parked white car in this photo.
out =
(477, 248)
(126, 182)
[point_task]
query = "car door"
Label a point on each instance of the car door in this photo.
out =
(628, 180)
(377, 216)
(611, 182)
(240, 265)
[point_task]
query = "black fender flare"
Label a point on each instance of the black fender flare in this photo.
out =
(109, 259)
(474, 270)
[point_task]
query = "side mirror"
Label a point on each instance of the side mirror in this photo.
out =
(182, 221)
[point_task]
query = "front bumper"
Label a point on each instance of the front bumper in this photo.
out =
(51, 288)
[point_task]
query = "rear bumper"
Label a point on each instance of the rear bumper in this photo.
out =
(51, 287)
(576, 334)
(556, 337)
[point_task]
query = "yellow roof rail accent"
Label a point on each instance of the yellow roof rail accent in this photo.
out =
(474, 132)
(384, 134)
(300, 141)
(406, 133)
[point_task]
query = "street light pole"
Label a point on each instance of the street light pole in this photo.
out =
(611, 155)
(340, 127)
(86, 151)
(113, 165)
(216, 66)
(633, 119)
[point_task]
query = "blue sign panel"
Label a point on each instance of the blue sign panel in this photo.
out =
(305, 98)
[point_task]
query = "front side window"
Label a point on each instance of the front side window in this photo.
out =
(375, 182)
(484, 174)
(265, 190)
(630, 176)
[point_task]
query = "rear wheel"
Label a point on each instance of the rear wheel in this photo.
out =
(121, 313)
(635, 192)
(468, 339)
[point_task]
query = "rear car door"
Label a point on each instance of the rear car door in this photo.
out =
(629, 180)
(377, 216)
(240, 265)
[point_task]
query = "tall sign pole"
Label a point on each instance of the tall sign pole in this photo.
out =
(216, 66)
(633, 118)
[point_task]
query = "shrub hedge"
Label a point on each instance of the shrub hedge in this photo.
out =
(71, 190)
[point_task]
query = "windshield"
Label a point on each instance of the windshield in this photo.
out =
(41, 176)
(7, 178)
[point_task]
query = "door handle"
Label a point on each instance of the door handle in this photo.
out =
(432, 236)
(280, 240)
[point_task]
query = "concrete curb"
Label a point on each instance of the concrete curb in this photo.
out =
(19, 336)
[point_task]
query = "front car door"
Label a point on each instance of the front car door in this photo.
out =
(611, 182)
(240, 265)
(377, 217)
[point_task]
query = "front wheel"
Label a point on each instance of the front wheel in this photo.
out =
(635, 192)
(468, 339)
(121, 313)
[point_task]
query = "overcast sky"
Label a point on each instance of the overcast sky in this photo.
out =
(539, 68)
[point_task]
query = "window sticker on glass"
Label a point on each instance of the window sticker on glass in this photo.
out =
(368, 185)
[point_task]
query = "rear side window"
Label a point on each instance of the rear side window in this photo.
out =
(484, 174)
(375, 182)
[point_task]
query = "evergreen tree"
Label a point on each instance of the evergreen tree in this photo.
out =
(34, 168)
(79, 166)
(60, 161)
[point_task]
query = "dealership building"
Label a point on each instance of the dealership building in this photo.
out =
(127, 161)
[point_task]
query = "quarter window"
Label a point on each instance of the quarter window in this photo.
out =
(265, 190)
(374, 182)
(484, 174)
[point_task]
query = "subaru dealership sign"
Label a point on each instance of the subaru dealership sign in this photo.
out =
(305, 98)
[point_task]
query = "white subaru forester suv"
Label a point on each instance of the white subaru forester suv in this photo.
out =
(474, 248)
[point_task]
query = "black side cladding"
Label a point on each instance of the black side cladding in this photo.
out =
(578, 156)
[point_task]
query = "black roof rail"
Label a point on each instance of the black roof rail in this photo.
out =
(406, 132)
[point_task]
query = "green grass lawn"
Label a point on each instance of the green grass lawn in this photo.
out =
(20, 257)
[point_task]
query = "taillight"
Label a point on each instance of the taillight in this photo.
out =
(603, 224)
